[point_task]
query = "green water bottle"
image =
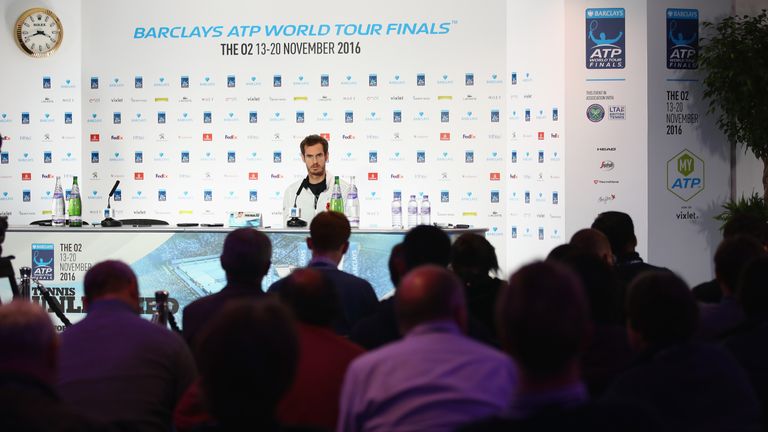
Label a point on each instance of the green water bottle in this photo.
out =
(337, 203)
(75, 205)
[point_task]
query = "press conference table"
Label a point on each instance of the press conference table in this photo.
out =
(181, 260)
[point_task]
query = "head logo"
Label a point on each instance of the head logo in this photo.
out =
(685, 175)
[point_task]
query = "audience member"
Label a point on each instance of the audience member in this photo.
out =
(560, 252)
(620, 230)
(426, 244)
(594, 242)
(544, 325)
(248, 355)
(747, 224)
(381, 327)
(473, 259)
(116, 366)
(607, 353)
(28, 366)
(435, 378)
(747, 342)
(329, 240)
(689, 386)
(731, 257)
(313, 400)
(245, 258)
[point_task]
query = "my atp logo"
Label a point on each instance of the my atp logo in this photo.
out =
(685, 175)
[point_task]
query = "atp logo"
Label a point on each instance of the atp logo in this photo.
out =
(42, 261)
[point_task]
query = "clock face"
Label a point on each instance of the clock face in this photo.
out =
(38, 32)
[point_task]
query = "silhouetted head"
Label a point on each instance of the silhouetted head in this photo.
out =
(473, 257)
(396, 264)
(558, 253)
(246, 256)
(543, 319)
(429, 293)
(311, 296)
(29, 341)
(329, 232)
(599, 282)
(661, 310)
(753, 289)
(111, 279)
(594, 242)
(247, 357)
(731, 257)
(426, 244)
(619, 229)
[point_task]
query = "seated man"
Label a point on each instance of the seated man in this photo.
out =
(435, 378)
(329, 240)
(688, 386)
(324, 356)
(28, 367)
(245, 258)
(116, 366)
(543, 322)
(248, 355)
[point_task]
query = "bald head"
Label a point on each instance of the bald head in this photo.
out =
(593, 242)
(246, 255)
(111, 279)
(429, 293)
(28, 338)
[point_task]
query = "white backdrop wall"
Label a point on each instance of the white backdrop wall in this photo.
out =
(486, 110)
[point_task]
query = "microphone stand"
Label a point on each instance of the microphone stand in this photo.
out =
(51, 303)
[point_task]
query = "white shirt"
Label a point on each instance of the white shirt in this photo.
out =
(306, 199)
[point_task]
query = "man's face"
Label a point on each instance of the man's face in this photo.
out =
(315, 159)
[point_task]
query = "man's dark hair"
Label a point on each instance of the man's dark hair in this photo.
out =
(619, 229)
(396, 264)
(426, 244)
(748, 224)
(428, 293)
(247, 357)
(107, 277)
(661, 308)
(246, 255)
(731, 257)
(753, 289)
(329, 231)
(311, 296)
(542, 318)
(311, 140)
(475, 253)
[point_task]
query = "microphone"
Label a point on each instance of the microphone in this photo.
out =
(295, 221)
(25, 291)
(108, 221)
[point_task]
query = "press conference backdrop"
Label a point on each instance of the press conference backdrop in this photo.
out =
(199, 110)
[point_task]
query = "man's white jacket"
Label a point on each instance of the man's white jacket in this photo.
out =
(305, 200)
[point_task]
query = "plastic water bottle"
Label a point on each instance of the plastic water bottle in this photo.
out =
(57, 217)
(397, 211)
(352, 205)
(160, 315)
(337, 203)
(413, 212)
(425, 211)
(75, 206)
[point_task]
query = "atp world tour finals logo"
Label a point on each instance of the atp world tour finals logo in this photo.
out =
(682, 38)
(606, 40)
